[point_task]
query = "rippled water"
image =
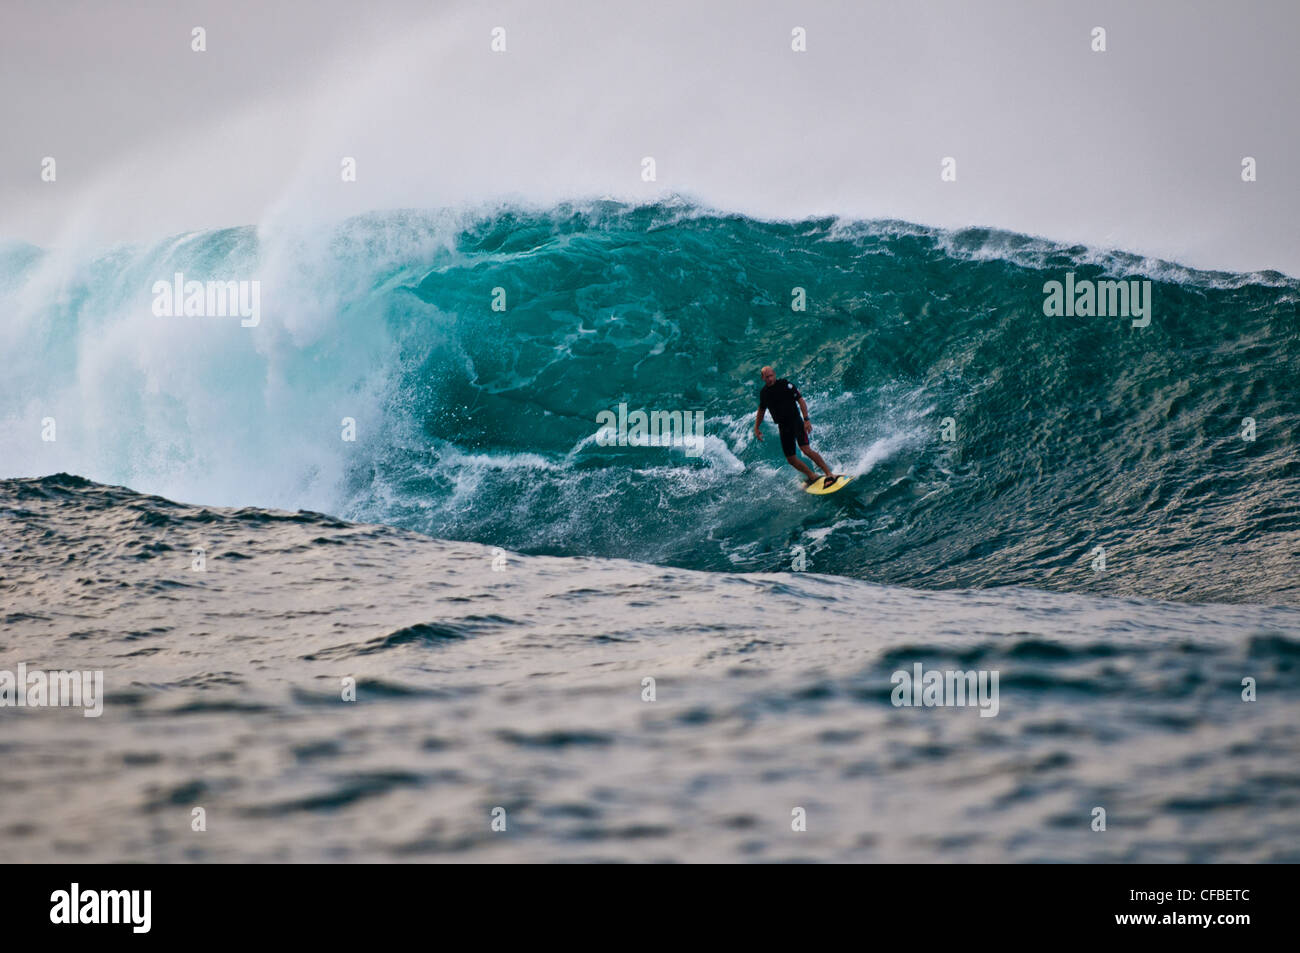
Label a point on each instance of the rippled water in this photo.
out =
(489, 680)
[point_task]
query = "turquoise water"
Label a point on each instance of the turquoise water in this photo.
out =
(478, 424)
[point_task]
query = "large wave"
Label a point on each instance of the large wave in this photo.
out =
(1071, 433)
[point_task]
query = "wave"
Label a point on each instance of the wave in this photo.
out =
(1070, 433)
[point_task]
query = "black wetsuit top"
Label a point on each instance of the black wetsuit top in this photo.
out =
(781, 398)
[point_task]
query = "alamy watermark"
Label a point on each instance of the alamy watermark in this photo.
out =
(130, 907)
(208, 299)
(54, 689)
(658, 428)
(940, 689)
(1102, 299)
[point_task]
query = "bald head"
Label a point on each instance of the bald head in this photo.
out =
(768, 375)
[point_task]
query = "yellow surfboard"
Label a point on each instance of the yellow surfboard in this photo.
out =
(821, 489)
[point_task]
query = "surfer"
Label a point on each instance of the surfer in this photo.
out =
(783, 401)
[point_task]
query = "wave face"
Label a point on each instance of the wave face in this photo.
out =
(476, 424)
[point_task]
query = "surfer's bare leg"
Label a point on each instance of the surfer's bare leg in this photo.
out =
(816, 458)
(801, 467)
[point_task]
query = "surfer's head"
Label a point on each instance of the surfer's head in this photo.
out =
(768, 375)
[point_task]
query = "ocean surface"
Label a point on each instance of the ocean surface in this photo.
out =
(1113, 528)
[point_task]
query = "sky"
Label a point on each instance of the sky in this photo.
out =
(1139, 147)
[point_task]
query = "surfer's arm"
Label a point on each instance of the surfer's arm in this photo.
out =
(758, 422)
(807, 421)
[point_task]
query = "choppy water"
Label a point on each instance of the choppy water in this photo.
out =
(521, 687)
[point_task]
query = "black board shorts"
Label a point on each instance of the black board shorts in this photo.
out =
(790, 432)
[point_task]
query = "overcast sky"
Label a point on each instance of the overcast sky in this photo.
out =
(1139, 147)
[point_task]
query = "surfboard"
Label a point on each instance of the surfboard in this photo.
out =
(821, 489)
